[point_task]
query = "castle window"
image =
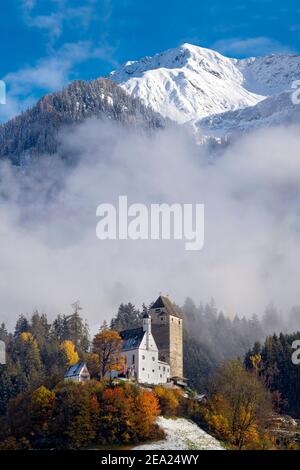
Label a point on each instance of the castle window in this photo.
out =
(153, 370)
(164, 369)
(133, 359)
(179, 322)
(161, 319)
(157, 310)
(159, 367)
(153, 358)
(143, 357)
(143, 368)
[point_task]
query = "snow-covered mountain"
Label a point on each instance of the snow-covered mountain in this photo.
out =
(270, 75)
(272, 111)
(219, 96)
(191, 83)
(186, 83)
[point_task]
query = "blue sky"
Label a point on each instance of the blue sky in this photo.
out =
(46, 43)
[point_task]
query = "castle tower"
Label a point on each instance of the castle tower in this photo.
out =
(167, 332)
(147, 328)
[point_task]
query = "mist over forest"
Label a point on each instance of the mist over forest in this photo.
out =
(51, 256)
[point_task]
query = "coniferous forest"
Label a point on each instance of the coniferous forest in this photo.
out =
(223, 357)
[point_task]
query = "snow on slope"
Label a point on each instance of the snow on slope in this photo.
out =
(273, 111)
(186, 83)
(220, 95)
(270, 75)
(182, 434)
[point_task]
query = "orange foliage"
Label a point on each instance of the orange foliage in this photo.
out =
(128, 413)
(147, 407)
(107, 345)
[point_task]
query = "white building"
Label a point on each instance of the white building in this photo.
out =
(77, 373)
(141, 355)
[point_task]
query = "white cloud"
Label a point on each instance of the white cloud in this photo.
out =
(247, 47)
(63, 13)
(52, 72)
(53, 23)
(50, 254)
(49, 74)
(28, 4)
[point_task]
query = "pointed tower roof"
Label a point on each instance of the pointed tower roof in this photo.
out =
(165, 302)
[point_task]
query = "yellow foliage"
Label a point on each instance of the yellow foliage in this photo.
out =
(217, 417)
(28, 340)
(43, 397)
(68, 348)
(169, 399)
(220, 420)
(256, 362)
(26, 337)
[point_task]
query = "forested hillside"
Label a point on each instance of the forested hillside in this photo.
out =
(38, 409)
(38, 351)
(36, 131)
(274, 365)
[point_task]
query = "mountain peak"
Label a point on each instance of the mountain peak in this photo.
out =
(190, 83)
(186, 83)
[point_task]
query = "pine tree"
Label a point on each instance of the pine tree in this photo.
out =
(59, 328)
(40, 328)
(128, 316)
(22, 325)
(77, 330)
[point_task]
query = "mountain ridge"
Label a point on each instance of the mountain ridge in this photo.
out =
(186, 83)
(217, 95)
(36, 130)
(195, 84)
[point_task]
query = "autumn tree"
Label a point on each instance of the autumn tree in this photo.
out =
(41, 409)
(75, 415)
(169, 399)
(256, 363)
(147, 410)
(240, 404)
(69, 353)
(107, 345)
(117, 415)
(127, 414)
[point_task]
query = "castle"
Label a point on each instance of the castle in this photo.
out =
(154, 352)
